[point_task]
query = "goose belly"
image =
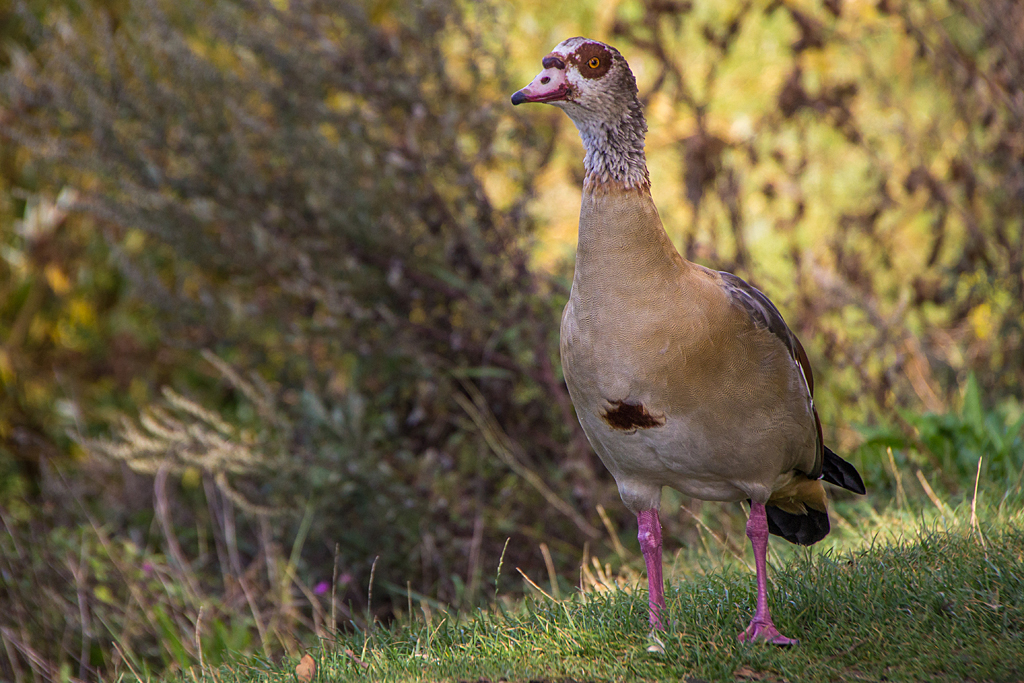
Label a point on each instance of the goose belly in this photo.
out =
(657, 420)
(679, 454)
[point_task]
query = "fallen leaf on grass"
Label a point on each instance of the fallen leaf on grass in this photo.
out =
(306, 670)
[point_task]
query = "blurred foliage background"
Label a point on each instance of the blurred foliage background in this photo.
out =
(281, 280)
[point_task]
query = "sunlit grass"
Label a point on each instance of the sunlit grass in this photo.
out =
(915, 592)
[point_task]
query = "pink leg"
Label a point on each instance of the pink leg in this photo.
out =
(761, 626)
(650, 545)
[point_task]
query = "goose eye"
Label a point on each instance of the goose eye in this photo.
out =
(594, 63)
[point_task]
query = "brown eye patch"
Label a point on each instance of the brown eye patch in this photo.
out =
(592, 60)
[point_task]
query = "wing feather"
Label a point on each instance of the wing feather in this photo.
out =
(765, 315)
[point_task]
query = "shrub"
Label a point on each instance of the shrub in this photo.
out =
(328, 203)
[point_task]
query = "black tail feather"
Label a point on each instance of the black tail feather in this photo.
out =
(806, 529)
(837, 471)
(811, 527)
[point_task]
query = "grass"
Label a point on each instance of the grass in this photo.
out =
(935, 594)
(914, 583)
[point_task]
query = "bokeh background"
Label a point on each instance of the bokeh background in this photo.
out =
(280, 283)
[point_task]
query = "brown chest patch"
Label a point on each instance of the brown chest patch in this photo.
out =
(630, 417)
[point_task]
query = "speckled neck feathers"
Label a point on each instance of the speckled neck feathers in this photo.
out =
(615, 148)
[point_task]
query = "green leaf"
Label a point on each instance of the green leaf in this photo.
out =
(169, 637)
(972, 411)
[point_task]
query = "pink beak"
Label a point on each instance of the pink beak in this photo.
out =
(550, 84)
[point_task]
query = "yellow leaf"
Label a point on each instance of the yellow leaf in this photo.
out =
(981, 320)
(82, 313)
(56, 278)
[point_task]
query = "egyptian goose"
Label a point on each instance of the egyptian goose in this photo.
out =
(681, 376)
